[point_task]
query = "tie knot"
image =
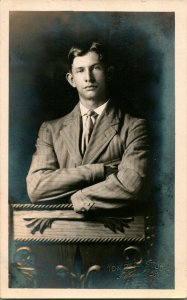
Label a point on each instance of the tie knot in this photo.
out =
(92, 113)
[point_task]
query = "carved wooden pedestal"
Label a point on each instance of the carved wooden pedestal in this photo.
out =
(54, 247)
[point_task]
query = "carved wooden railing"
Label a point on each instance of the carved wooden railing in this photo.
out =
(37, 227)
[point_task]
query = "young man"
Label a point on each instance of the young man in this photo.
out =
(96, 156)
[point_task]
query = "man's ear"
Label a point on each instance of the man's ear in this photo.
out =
(70, 79)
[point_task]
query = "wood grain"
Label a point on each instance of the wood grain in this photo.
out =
(72, 227)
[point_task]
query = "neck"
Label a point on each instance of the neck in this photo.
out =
(92, 103)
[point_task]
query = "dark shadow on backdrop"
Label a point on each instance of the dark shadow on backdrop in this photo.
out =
(137, 66)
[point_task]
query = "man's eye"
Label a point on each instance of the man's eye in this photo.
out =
(97, 67)
(79, 70)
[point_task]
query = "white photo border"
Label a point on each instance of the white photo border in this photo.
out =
(180, 9)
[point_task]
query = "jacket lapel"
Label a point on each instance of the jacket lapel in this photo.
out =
(104, 130)
(71, 133)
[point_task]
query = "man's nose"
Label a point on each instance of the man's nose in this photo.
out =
(89, 75)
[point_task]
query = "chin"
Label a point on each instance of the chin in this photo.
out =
(91, 96)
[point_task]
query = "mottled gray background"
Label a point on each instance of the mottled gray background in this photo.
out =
(142, 51)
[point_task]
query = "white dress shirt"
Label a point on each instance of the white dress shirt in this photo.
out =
(85, 110)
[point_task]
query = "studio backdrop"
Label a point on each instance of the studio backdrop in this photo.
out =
(141, 49)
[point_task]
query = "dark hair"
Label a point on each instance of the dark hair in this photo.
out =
(80, 50)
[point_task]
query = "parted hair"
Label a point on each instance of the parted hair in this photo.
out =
(80, 50)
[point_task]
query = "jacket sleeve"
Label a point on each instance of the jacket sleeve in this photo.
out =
(128, 184)
(46, 181)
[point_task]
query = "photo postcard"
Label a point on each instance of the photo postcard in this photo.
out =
(93, 141)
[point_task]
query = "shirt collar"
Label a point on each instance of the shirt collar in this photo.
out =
(98, 110)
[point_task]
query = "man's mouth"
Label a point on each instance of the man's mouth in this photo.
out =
(90, 87)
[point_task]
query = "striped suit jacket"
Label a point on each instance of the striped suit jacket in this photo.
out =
(58, 171)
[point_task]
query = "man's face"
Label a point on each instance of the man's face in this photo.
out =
(89, 77)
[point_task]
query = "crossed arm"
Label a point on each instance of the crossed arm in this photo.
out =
(91, 186)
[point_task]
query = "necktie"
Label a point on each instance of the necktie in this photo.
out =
(87, 129)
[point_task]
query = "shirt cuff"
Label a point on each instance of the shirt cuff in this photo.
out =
(81, 203)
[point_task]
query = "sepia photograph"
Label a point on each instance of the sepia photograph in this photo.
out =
(91, 150)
